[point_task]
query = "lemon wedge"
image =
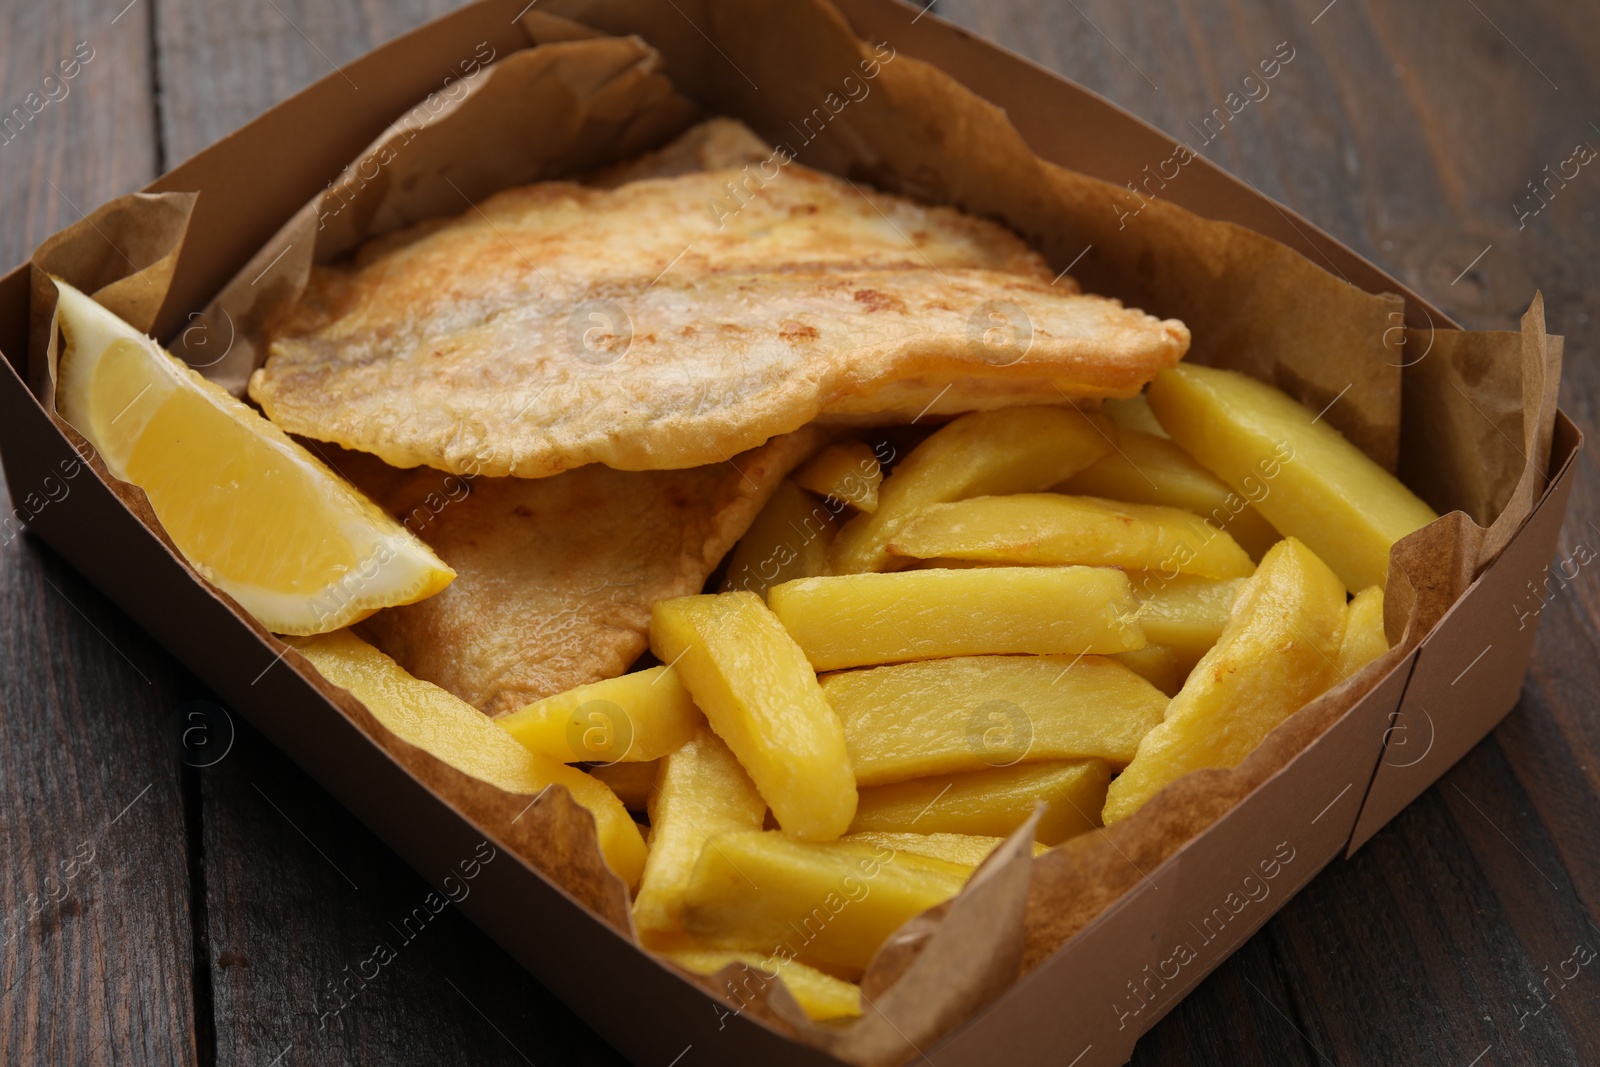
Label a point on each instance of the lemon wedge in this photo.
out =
(254, 512)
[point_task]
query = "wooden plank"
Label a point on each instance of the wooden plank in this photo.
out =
(95, 939)
(223, 63)
(1412, 138)
(325, 948)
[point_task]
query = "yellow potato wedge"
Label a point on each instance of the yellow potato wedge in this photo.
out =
(1133, 414)
(821, 996)
(761, 696)
(858, 620)
(946, 716)
(632, 782)
(1182, 612)
(1014, 450)
(830, 903)
(789, 539)
(459, 734)
(968, 849)
(991, 803)
(1364, 639)
(1147, 469)
(702, 792)
(1160, 665)
(637, 717)
(1301, 473)
(1057, 529)
(1279, 651)
(848, 471)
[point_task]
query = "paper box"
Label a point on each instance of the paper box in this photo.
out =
(1100, 968)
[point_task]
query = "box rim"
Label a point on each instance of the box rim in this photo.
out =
(17, 366)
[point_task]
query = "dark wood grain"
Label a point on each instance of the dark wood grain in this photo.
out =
(227, 904)
(303, 904)
(95, 930)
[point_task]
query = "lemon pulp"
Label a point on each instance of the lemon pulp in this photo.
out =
(251, 509)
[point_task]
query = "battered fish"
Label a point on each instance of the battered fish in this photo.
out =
(675, 321)
(555, 577)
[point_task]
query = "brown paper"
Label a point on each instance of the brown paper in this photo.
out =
(594, 96)
(122, 254)
(547, 112)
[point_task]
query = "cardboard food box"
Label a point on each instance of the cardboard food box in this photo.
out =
(1067, 959)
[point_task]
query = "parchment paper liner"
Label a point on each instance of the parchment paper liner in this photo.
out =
(1465, 416)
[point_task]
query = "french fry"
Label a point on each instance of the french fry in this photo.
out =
(636, 718)
(1147, 469)
(968, 849)
(788, 539)
(991, 803)
(1279, 651)
(761, 697)
(1061, 530)
(1364, 639)
(848, 471)
(702, 792)
(632, 782)
(858, 620)
(1160, 665)
(1133, 413)
(1302, 474)
(945, 716)
(829, 903)
(1015, 450)
(821, 996)
(1184, 613)
(459, 734)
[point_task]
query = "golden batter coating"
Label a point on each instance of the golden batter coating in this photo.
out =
(674, 321)
(555, 577)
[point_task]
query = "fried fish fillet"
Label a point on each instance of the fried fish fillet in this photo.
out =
(675, 321)
(555, 577)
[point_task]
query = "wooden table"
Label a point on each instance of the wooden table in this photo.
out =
(198, 914)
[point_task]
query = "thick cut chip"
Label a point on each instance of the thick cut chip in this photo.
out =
(1305, 478)
(969, 849)
(634, 783)
(424, 715)
(1056, 529)
(638, 717)
(676, 321)
(1184, 613)
(761, 697)
(1133, 413)
(788, 540)
(702, 791)
(1364, 639)
(992, 803)
(1146, 469)
(556, 576)
(832, 903)
(847, 472)
(1016, 451)
(860, 620)
(253, 511)
(820, 995)
(1280, 650)
(1160, 665)
(915, 720)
